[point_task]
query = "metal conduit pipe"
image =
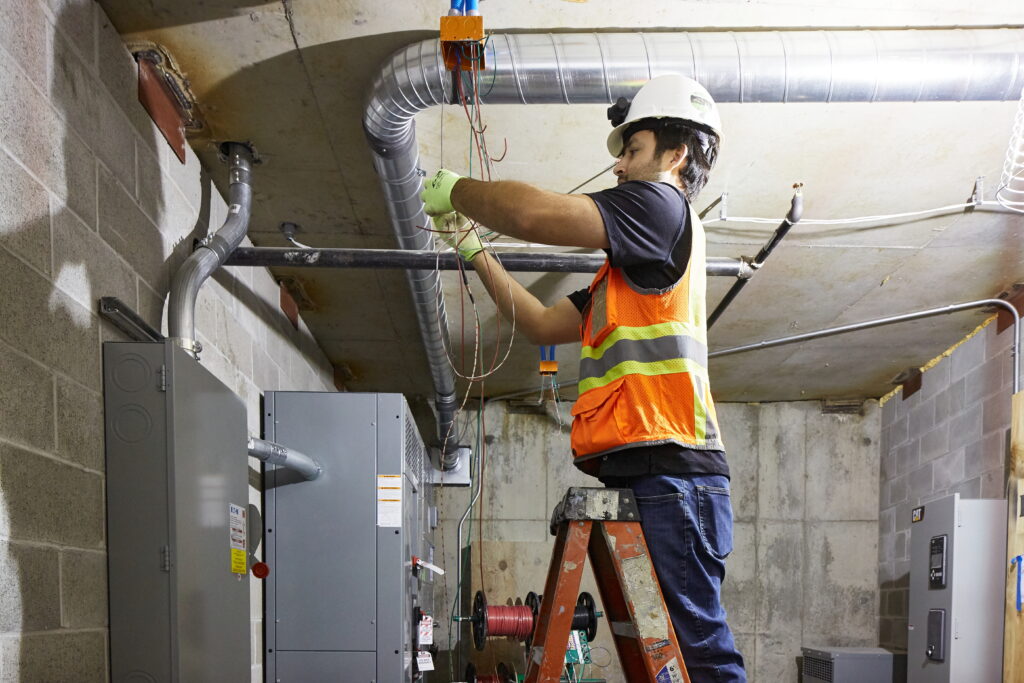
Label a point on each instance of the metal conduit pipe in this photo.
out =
(578, 68)
(891, 320)
(282, 456)
(211, 254)
(408, 259)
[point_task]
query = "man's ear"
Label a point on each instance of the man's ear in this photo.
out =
(678, 158)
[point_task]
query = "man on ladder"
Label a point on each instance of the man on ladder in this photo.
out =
(644, 419)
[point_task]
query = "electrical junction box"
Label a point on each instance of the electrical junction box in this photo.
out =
(344, 599)
(957, 555)
(852, 665)
(177, 499)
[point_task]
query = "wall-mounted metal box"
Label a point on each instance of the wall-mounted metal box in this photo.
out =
(177, 495)
(957, 554)
(852, 665)
(342, 590)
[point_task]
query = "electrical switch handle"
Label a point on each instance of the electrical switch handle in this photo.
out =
(420, 562)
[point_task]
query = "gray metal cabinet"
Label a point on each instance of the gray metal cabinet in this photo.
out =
(342, 592)
(958, 549)
(176, 478)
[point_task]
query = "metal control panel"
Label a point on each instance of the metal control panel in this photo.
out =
(937, 562)
(350, 591)
(177, 500)
(957, 550)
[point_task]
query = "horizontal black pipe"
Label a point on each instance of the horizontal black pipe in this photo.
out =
(429, 260)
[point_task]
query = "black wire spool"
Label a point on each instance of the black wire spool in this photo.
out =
(533, 601)
(479, 620)
(584, 618)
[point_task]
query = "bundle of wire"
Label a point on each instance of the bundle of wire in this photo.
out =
(510, 621)
(479, 370)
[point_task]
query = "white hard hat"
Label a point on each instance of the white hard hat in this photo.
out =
(670, 96)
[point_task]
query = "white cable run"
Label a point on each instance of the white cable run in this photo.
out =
(1010, 194)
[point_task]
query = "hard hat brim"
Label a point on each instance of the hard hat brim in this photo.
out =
(615, 139)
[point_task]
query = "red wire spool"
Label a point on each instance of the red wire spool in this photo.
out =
(500, 621)
(517, 621)
(510, 621)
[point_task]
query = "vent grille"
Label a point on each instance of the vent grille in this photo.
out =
(818, 669)
(414, 452)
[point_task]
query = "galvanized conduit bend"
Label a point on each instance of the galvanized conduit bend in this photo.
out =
(282, 456)
(576, 68)
(891, 320)
(211, 254)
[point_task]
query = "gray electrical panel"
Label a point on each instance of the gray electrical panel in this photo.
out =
(177, 497)
(852, 665)
(957, 553)
(344, 596)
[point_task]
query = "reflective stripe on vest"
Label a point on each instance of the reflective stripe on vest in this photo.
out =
(646, 354)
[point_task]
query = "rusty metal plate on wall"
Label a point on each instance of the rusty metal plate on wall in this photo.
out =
(160, 103)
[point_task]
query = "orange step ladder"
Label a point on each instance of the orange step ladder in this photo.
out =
(604, 524)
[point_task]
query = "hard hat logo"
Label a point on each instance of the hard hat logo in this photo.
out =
(671, 96)
(700, 103)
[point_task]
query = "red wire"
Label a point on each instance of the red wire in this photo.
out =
(512, 621)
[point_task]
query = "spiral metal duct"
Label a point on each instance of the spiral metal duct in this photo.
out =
(735, 66)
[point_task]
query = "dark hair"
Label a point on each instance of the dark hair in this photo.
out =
(701, 148)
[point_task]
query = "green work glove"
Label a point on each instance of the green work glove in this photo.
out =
(437, 192)
(459, 234)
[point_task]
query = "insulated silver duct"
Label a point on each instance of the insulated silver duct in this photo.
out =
(580, 68)
(211, 254)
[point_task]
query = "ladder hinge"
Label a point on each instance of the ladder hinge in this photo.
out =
(165, 558)
(163, 378)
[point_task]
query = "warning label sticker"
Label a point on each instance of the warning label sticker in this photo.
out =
(389, 500)
(426, 630)
(670, 673)
(237, 530)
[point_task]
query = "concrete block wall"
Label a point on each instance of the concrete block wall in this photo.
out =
(951, 436)
(804, 492)
(93, 203)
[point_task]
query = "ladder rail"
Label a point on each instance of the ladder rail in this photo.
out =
(604, 526)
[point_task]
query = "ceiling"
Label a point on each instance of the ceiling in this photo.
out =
(292, 77)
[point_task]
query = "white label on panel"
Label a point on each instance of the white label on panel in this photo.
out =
(389, 500)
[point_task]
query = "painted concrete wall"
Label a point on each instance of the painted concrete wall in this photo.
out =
(804, 493)
(93, 203)
(951, 436)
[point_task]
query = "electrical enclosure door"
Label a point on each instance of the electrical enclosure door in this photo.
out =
(177, 495)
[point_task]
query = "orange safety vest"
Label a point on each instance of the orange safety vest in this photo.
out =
(643, 365)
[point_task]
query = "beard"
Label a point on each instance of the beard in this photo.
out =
(648, 171)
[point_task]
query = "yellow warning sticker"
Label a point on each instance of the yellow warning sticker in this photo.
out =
(238, 562)
(237, 531)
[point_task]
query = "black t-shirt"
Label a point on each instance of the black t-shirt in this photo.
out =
(649, 236)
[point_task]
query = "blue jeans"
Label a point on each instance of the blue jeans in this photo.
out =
(687, 522)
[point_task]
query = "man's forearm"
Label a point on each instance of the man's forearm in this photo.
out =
(540, 324)
(512, 299)
(530, 213)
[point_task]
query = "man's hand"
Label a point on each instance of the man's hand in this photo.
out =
(437, 193)
(459, 234)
